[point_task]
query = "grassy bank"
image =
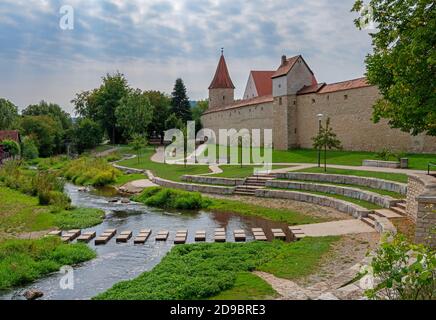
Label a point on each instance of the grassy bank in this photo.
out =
(397, 177)
(207, 270)
(21, 213)
(238, 172)
(23, 261)
(178, 199)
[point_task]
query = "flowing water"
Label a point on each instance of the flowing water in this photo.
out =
(118, 262)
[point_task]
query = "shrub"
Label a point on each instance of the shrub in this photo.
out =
(12, 147)
(172, 199)
(29, 149)
(54, 198)
(403, 271)
(385, 154)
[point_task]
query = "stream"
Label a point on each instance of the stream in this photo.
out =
(118, 262)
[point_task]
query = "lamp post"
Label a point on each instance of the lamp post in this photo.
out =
(320, 115)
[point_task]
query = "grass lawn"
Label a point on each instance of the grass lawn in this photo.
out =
(339, 157)
(21, 213)
(125, 178)
(23, 261)
(165, 171)
(230, 171)
(247, 287)
(207, 270)
(397, 177)
(282, 215)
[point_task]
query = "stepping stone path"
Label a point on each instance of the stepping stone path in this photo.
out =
(220, 235)
(181, 237)
(239, 235)
(162, 235)
(105, 237)
(71, 235)
(200, 236)
(87, 236)
(278, 234)
(142, 236)
(258, 234)
(297, 233)
(124, 236)
(55, 233)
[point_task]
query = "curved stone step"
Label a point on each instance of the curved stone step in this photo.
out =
(355, 193)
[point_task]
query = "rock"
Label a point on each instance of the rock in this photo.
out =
(125, 201)
(113, 201)
(33, 294)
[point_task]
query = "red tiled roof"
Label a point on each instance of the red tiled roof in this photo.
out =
(263, 82)
(222, 79)
(311, 89)
(288, 65)
(9, 135)
(345, 85)
(244, 103)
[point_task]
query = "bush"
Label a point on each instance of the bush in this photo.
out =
(29, 149)
(11, 147)
(172, 199)
(54, 198)
(403, 271)
(78, 218)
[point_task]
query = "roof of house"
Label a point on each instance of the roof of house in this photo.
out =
(244, 103)
(345, 85)
(222, 80)
(9, 135)
(288, 65)
(263, 82)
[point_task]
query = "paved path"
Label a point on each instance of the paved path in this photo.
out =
(105, 153)
(336, 228)
(293, 166)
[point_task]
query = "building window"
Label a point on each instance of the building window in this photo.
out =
(224, 97)
(346, 97)
(328, 97)
(295, 131)
(280, 86)
(280, 101)
(295, 102)
(313, 101)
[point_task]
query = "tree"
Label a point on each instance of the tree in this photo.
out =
(134, 114)
(173, 122)
(8, 114)
(403, 62)
(87, 134)
(326, 139)
(138, 142)
(197, 111)
(100, 104)
(161, 108)
(11, 147)
(29, 150)
(50, 109)
(45, 131)
(180, 105)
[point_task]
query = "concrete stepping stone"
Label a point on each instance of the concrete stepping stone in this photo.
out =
(181, 237)
(87, 236)
(71, 235)
(162, 235)
(54, 233)
(220, 235)
(142, 237)
(258, 234)
(239, 235)
(105, 237)
(278, 234)
(200, 236)
(124, 236)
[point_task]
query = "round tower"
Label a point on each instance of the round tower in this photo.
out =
(221, 90)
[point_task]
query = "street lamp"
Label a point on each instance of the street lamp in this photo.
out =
(320, 115)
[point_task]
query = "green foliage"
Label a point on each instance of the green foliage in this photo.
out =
(11, 146)
(90, 171)
(134, 114)
(180, 105)
(78, 218)
(384, 154)
(201, 271)
(326, 139)
(173, 122)
(138, 143)
(172, 199)
(161, 108)
(23, 261)
(87, 134)
(197, 111)
(45, 131)
(403, 271)
(403, 62)
(8, 114)
(29, 149)
(52, 110)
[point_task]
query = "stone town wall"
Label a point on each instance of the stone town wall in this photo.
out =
(213, 180)
(350, 113)
(193, 187)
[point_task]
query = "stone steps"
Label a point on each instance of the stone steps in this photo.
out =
(387, 213)
(398, 210)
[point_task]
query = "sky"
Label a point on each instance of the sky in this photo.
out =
(153, 42)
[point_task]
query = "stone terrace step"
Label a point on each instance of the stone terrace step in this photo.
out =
(399, 210)
(369, 222)
(387, 213)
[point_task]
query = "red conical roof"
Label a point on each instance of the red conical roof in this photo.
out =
(222, 78)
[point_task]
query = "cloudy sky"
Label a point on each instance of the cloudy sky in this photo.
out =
(155, 41)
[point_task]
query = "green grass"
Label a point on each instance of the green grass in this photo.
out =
(287, 216)
(247, 287)
(125, 178)
(234, 171)
(397, 177)
(23, 261)
(201, 271)
(165, 171)
(21, 213)
(362, 203)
